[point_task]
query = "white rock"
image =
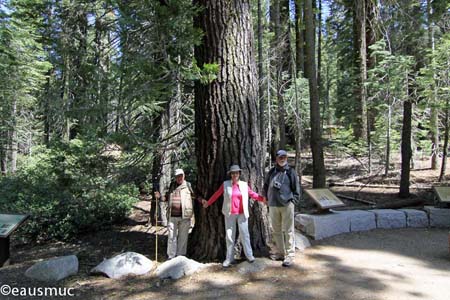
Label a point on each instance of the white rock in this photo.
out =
(416, 218)
(128, 263)
(322, 226)
(54, 269)
(178, 267)
(257, 266)
(360, 220)
(390, 218)
(301, 241)
(439, 217)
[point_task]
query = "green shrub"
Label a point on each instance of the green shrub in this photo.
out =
(67, 189)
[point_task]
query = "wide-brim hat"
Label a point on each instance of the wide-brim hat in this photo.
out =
(234, 168)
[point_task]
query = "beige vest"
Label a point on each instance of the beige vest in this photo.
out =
(227, 191)
(186, 201)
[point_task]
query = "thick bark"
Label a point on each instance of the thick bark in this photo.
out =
(310, 72)
(226, 123)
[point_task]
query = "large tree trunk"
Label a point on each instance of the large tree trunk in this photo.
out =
(310, 72)
(227, 122)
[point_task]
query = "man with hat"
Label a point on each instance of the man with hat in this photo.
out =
(180, 197)
(282, 189)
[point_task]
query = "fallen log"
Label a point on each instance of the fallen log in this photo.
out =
(389, 205)
(378, 186)
(356, 199)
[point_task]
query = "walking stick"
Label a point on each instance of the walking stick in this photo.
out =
(156, 229)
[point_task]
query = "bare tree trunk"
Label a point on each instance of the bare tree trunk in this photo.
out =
(299, 38)
(319, 49)
(3, 148)
(434, 112)
(445, 150)
(13, 138)
(406, 145)
(388, 137)
(262, 102)
(361, 126)
(310, 72)
(227, 122)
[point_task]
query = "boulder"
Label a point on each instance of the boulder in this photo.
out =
(178, 267)
(301, 241)
(257, 266)
(128, 263)
(54, 269)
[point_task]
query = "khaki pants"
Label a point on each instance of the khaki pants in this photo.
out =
(178, 231)
(283, 228)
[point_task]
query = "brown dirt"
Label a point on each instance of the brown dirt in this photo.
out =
(380, 264)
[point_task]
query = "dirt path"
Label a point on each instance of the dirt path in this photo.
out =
(380, 264)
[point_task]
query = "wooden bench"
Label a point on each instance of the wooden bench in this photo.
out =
(8, 224)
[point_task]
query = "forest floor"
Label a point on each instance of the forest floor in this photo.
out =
(379, 264)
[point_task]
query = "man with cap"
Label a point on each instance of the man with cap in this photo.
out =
(282, 189)
(180, 197)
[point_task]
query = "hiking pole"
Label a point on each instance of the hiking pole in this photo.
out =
(156, 229)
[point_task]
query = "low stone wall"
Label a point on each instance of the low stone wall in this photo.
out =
(337, 222)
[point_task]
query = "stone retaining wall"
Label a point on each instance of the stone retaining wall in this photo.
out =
(336, 222)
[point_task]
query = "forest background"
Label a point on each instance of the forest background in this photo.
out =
(101, 99)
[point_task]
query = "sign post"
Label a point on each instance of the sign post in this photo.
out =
(8, 224)
(324, 199)
(443, 196)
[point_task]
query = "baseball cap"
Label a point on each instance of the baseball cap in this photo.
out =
(179, 172)
(281, 153)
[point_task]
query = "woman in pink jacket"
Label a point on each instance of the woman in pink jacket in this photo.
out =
(236, 194)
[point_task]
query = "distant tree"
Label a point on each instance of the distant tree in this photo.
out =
(310, 73)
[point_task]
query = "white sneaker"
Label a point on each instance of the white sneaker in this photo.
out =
(226, 263)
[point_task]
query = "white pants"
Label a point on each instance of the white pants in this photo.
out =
(283, 228)
(163, 208)
(244, 235)
(178, 231)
